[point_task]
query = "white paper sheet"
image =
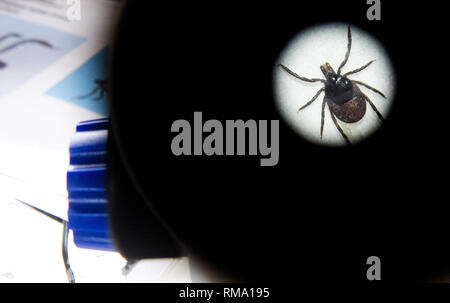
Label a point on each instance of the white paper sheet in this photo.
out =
(40, 106)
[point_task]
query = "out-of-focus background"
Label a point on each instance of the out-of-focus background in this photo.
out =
(51, 75)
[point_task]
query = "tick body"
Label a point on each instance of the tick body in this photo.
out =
(351, 111)
(345, 100)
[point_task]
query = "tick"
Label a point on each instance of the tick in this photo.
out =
(19, 43)
(345, 100)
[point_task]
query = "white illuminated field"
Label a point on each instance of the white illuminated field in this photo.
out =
(328, 43)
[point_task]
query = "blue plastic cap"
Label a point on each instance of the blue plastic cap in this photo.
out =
(86, 185)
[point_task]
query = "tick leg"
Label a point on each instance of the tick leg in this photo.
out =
(373, 107)
(90, 94)
(339, 128)
(101, 95)
(369, 87)
(358, 69)
(39, 42)
(313, 99)
(300, 77)
(349, 47)
(17, 44)
(323, 117)
(9, 36)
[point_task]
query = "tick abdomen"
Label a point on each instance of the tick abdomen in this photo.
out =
(351, 111)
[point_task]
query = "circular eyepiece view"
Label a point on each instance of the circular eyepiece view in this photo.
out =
(334, 84)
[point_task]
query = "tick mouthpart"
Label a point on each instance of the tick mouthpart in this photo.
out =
(327, 70)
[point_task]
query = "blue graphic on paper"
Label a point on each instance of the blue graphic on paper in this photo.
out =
(28, 48)
(86, 86)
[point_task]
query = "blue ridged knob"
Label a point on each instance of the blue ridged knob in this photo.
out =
(86, 186)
